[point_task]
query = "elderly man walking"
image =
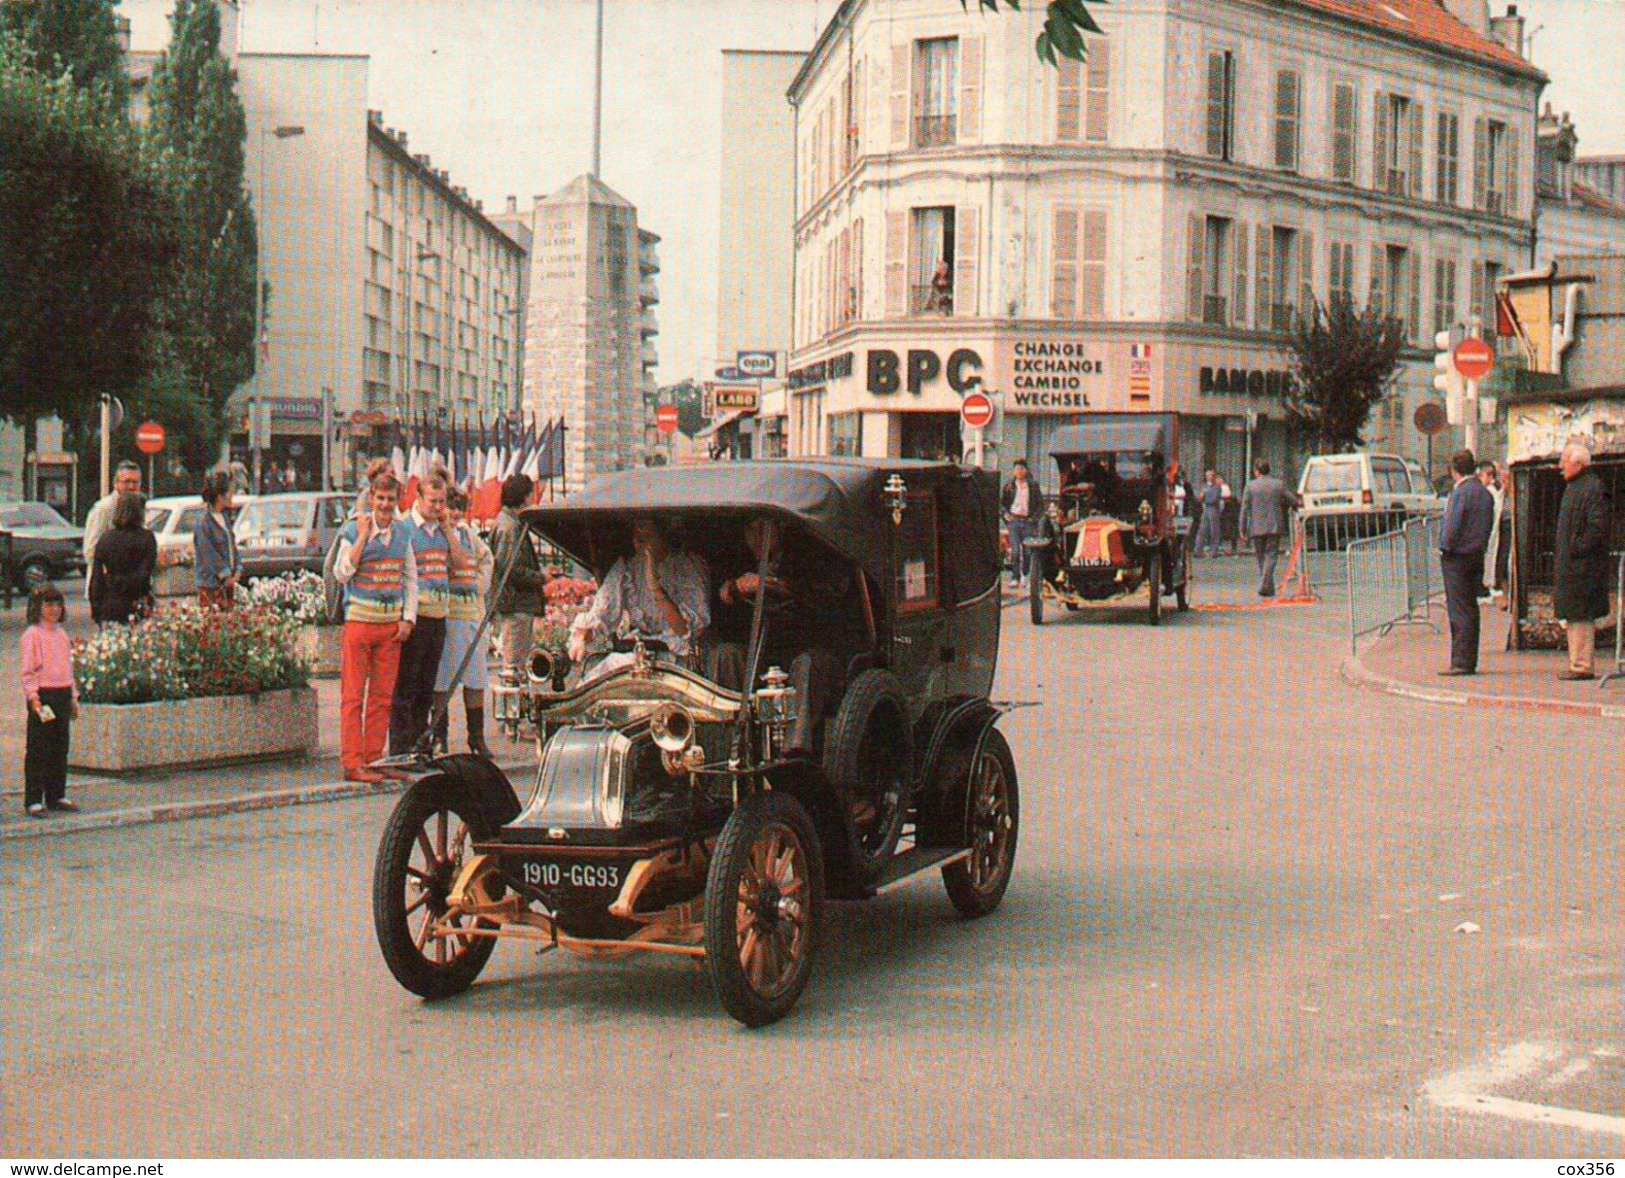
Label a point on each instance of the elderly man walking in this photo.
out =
(1266, 507)
(1469, 518)
(1580, 593)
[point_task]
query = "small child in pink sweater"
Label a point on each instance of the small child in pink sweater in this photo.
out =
(53, 702)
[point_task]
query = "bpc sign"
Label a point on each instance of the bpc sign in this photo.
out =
(887, 373)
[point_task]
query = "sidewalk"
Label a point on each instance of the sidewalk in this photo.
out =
(1406, 661)
(168, 795)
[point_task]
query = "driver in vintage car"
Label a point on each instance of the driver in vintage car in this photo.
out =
(659, 594)
(798, 591)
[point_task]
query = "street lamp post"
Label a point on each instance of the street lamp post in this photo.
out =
(261, 339)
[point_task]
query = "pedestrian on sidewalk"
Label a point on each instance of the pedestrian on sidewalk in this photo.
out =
(470, 581)
(1229, 518)
(380, 578)
(53, 703)
(1210, 531)
(126, 481)
(214, 547)
(1501, 574)
(1492, 483)
(1580, 592)
(425, 528)
(1266, 507)
(121, 570)
(1469, 519)
(1023, 503)
(523, 594)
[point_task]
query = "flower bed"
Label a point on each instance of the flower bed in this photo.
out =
(300, 596)
(193, 686)
(566, 597)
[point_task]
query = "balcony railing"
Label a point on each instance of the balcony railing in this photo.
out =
(935, 130)
(1215, 310)
(928, 299)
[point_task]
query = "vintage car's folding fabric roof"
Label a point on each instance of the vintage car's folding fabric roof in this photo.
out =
(1103, 432)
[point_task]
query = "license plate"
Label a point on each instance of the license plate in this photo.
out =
(1096, 562)
(543, 873)
(1336, 500)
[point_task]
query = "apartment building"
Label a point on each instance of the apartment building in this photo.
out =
(1138, 231)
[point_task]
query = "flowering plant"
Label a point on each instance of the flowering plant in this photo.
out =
(190, 652)
(566, 597)
(300, 596)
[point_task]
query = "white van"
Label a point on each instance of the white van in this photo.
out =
(1350, 495)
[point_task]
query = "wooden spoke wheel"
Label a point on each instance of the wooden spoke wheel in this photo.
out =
(764, 900)
(424, 847)
(992, 820)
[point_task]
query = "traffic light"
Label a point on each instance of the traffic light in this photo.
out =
(1446, 379)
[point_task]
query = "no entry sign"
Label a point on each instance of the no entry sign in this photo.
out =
(976, 410)
(1473, 358)
(666, 419)
(149, 439)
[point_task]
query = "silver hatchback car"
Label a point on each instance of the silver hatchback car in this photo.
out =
(279, 534)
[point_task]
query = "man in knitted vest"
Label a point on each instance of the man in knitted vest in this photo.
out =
(375, 565)
(435, 550)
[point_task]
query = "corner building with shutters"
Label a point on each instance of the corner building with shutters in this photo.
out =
(1136, 232)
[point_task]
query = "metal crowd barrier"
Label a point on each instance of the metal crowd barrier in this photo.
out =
(1390, 579)
(1619, 628)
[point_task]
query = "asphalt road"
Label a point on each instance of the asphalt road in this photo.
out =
(1230, 933)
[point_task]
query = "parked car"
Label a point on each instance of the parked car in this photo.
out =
(279, 534)
(44, 546)
(1348, 496)
(671, 811)
(1113, 531)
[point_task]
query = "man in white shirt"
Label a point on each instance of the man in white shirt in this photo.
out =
(126, 480)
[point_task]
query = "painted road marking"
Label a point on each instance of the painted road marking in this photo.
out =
(1469, 1091)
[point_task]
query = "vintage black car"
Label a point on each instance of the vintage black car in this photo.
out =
(1112, 531)
(682, 807)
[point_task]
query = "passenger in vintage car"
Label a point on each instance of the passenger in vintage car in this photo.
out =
(662, 593)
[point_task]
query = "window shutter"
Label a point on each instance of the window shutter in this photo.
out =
(1097, 102)
(967, 244)
(1379, 278)
(1476, 306)
(899, 95)
(1195, 243)
(1215, 104)
(1264, 275)
(876, 107)
(1415, 172)
(1413, 320)
(1379, 141)
(1345, 133)
(1286, 119)
(896, 265)
(857, 269)
(1092, 266)
(1306, 272)
(1481, 162)
(1238, 252)
(1064, 264)
(970, 90)
(1510, 202)
(1068, 101)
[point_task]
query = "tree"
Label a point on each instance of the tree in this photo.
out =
(198, 125)
(75, 40)
(1065, 22)
(88, 234)
(1343, 362)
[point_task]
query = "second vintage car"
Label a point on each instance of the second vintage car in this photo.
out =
(827, 739)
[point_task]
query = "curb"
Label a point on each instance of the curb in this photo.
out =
(333, 791)
(1353, 671)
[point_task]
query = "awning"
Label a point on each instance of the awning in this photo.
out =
(726, 419)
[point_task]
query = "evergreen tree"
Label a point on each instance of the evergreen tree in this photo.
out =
(72, 39)
(197, 123)
(88, 233)
(1343, 362)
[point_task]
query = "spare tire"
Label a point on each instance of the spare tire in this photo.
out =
(869, 760)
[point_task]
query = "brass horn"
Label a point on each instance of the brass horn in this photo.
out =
(541, 666)
(671, 727)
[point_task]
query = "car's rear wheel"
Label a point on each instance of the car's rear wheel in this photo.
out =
(425, 844)
(869, 762)
(764, 898)
(35, 574)
(990, 817)
(1182, 591)
(1153, 577)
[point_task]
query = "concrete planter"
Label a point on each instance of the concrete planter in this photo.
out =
(324, 647)
(176, 580)
(119, 738)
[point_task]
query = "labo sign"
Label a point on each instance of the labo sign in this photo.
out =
(918, 367)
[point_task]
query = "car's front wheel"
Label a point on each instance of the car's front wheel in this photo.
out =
(764, 899)
(1035, 586)
(425, 844)
(1153, 577)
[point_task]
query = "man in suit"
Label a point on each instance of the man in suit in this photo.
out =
(1266, 507)
(1469, 517)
